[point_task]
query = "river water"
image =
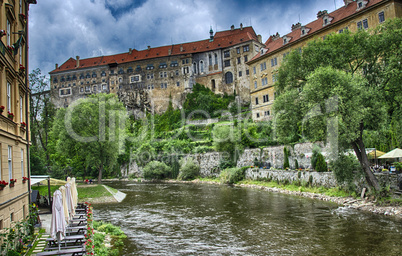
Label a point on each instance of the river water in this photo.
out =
(200, 219)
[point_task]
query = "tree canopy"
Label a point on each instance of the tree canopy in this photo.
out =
(341, 87)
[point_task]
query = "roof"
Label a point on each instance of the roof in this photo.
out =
(273, 43)
(222, 39)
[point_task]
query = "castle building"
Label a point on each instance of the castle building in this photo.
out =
(14, 115)
(354, 15)
(145, 80)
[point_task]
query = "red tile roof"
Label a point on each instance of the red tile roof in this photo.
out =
(338, 15)
(222, 39)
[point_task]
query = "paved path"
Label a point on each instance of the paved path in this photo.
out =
(119, 196)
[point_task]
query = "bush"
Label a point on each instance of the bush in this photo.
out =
(156, 170)
(346, 169)
(189, 170)
(232, 175)
(316, 151)
(321, 165)
(286, 158)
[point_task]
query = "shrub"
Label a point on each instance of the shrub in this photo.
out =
(346, 169)
(232, 175)
(316, 151)
(189, 170)
(286, 158)
(156, 170)
(321, 165)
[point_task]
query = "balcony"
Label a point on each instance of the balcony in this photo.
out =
(2, 48)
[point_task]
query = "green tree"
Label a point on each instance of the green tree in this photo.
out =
(285, 158)
(321, 165)
(349, 81)
(42, 113)
(89, 134)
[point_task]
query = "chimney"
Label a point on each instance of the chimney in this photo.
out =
(57, 66)
(149, 47)
(347, 2)
(321, 13)
(296, 26)
(232, 28)
(276, 36)
(259, 38)
(78, 62)
(130, 51)
(241, 26)
(211, 35)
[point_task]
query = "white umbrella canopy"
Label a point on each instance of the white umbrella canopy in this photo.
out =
(69, 200)
(65, 207)
(74, 192)
(395, 153)
(58, 224)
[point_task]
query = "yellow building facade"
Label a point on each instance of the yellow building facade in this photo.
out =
(14, 93)
(354, 15)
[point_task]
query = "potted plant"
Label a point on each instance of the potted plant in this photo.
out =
(2, 33)
(12, 181)
(10, 48)
(23, 124)
(2, 109)
(22, 68)
(24, 179)
(10, 115)
(23, 16)
(3, 183)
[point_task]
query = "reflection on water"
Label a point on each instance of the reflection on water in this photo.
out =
(199, 219)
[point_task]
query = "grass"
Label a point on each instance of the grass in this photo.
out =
(84, 192)
(337, 192)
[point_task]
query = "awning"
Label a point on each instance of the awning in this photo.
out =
(38, 178)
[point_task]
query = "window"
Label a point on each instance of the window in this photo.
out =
(240, 73)
(340, 31)
(130, 70)
(174, 64)
(55, 80)
(135, 79)
(365, 24)
(359, 25)
(210, 59)
(285, 55)
(381, 17)
(238, 60)
(163, 65)
(266, 113)
(9, 97)
(360, 5)
(21, 109)
(177, 72)
(82, 76)
(325, 21)
(227, 63)
(87, 88)
(255, 84)
(256, 100)
(22, 163)
(87, 76)
(229, 77)
(238, 50)
(138, 68)
(285, 41)
(195, 68)
(81, 89)
(274, 62)
(121, 71)
(201, 66)
(274, 78)
(246, 48)
(8, 32)
(163, 85)
(93, 74)
(245, 58)
(265, 98)
(247, 72)
(104, 87)
(10, 162)
(103, 73)
(178, 83)
(216, 59)
(226, 54)
(258, 115)
(185, 70)
(95, 88)
(263, 66)
(150, 76)
(68, 78)
(303, 31)
(264, 81)
(150, 67)
(254, 70)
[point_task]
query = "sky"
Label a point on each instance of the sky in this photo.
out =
(60, 29)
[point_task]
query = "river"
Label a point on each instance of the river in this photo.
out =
(200, 219)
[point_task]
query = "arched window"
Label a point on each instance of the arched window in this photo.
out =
(201, 66)
(216, 59)
(195, 67)
(229, 77)
(210, 59)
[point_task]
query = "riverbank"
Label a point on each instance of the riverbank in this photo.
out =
(347, 201)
